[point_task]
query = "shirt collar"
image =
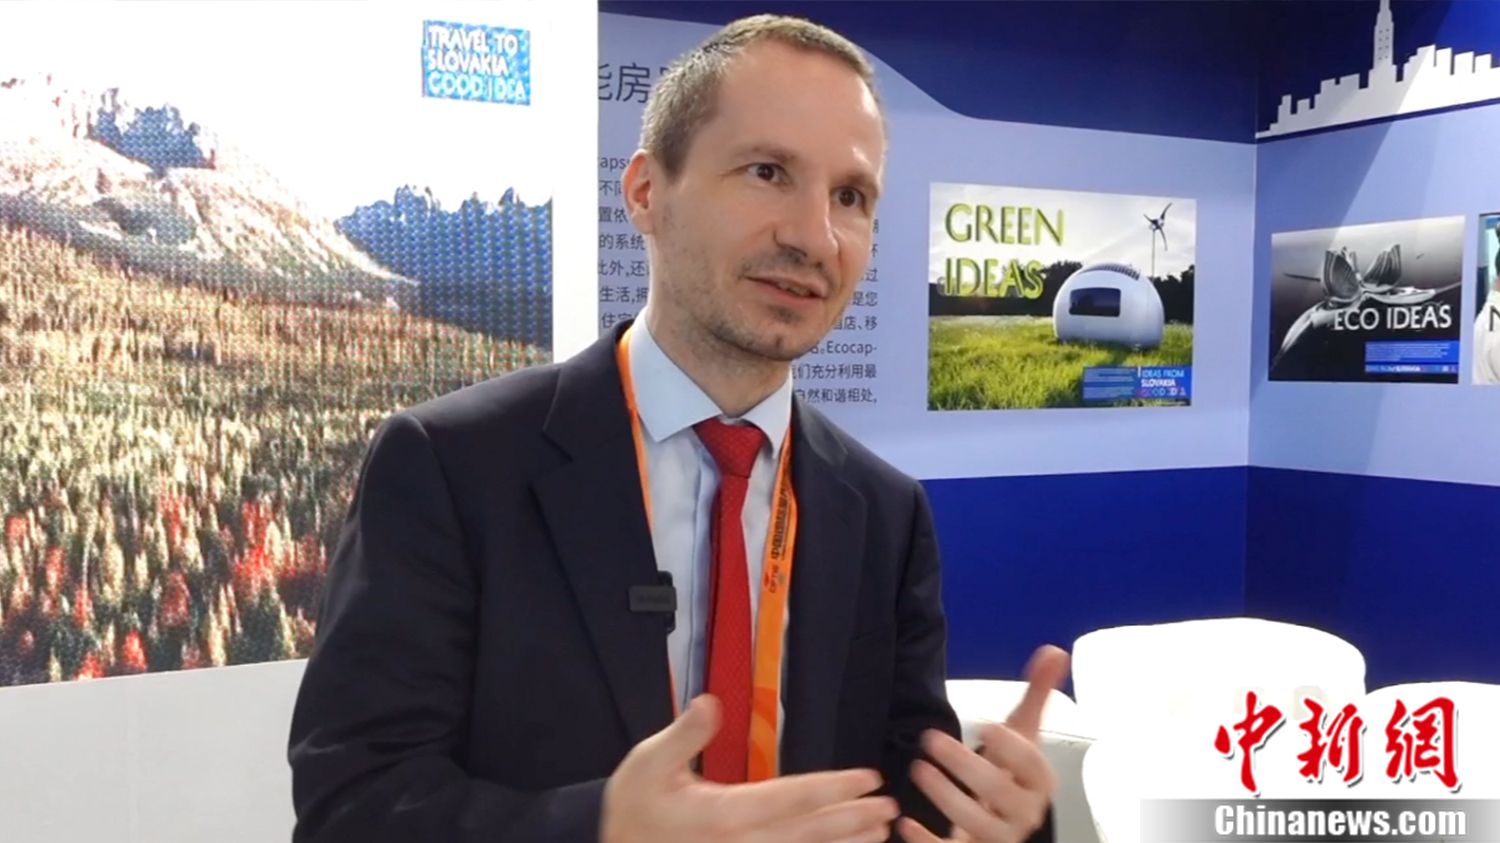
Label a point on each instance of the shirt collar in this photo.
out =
(670, 402)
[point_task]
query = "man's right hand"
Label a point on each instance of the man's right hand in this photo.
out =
(654, 797)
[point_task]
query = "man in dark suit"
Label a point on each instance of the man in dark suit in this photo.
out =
(501, 657)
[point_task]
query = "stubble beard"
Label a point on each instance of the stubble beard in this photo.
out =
(754, 347)
(720, 331)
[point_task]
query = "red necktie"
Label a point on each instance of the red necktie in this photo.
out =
(730, 651)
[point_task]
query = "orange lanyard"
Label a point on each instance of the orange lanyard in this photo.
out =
(775, 585)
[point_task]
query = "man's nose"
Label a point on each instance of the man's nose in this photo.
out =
(807, 227)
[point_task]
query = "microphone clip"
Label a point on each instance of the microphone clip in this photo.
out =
(659, 599)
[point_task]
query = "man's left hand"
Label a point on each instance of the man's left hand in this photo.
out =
(1009, 777)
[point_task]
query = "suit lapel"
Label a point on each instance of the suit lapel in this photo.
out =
(825, 587)
(592, 507)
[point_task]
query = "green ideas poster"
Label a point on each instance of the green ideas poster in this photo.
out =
(1049, 298)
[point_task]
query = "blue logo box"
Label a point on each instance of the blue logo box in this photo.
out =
(1115, 383)
(1411, 357)
(478, 63)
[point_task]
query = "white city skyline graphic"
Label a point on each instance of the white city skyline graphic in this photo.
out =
(1431, 78)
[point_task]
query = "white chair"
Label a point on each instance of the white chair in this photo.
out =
(1155, 696)
(1120, 772)
(1064, 735)
(1124, 773)
(1192, 676)
(991, 700)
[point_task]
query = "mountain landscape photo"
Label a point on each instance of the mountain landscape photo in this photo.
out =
(191, 366)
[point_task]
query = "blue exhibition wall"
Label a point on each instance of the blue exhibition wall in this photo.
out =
(1368, 499)
(1052, 521)
(1272, 498)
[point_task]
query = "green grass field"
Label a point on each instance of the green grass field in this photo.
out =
(1015, 362)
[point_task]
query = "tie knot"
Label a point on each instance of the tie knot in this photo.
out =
(733, 446)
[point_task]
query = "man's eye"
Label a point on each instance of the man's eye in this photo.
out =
(766, 172)
(851, 198)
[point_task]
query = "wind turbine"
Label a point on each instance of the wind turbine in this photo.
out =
(1158, 226)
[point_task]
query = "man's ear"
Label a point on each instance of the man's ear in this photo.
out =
(638, 186)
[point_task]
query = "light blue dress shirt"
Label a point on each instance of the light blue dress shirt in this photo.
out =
(683, 479)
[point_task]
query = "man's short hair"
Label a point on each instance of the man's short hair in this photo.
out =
(685, 96)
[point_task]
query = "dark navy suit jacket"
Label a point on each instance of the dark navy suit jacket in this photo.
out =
(478, 673)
